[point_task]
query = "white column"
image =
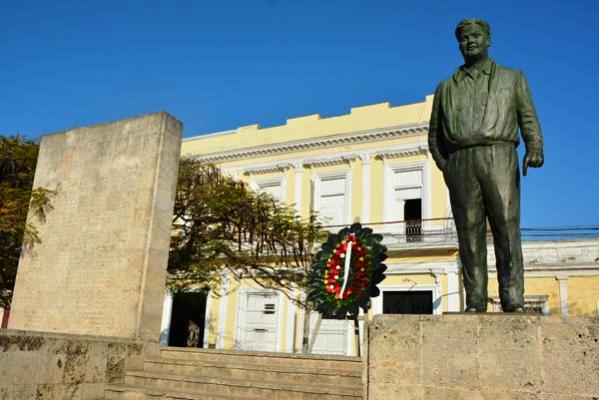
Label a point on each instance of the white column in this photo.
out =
(437, 298)
(167, 312)
(366, 191)
(299, 170)
(223, 306)
(207, 319)
(563, 295)
(453, 291)
(290, 325)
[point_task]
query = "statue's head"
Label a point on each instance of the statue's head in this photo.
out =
(474, 38)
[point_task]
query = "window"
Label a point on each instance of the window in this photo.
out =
(407, 187)
(413, 218)
(273, 189)
(331, 199)
(406, 199)
(408, 302)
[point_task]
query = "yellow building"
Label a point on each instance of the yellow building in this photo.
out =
(371, 165)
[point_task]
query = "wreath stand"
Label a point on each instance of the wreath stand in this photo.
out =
(356, 333)
(362, 269)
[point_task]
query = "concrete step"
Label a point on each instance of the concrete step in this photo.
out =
(271, 373)
(263, 358)
(240, 387)
(138, 393)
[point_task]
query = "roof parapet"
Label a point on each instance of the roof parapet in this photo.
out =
(371, 108)
(306, 119)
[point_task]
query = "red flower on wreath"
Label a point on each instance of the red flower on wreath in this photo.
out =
(358, 275)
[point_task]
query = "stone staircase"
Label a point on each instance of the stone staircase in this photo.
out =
(204, 374)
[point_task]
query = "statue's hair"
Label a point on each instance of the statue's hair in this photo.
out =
(473, 21)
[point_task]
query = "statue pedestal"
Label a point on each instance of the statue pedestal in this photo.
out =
(482, 356)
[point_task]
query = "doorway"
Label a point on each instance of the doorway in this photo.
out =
(188, 319)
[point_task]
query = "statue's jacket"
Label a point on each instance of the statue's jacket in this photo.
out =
(508, 107)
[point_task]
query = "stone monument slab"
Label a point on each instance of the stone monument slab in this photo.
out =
(101, 264)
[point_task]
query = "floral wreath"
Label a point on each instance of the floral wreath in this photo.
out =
(346, 271)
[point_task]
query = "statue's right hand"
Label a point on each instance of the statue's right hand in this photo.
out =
(532, 158)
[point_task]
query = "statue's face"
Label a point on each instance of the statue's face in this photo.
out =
(474, 42)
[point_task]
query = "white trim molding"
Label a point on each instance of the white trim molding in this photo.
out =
(367, 136)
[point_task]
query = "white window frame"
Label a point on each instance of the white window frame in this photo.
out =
(318, 178)
(281, 181)
(242, 295)
(392, 168)
(435, 289)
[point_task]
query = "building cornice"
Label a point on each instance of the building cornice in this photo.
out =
(414, 151)
(298, 164)
(268, 169)
(316, 143)
(328, 161)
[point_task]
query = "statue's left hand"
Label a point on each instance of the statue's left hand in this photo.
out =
(533, 158)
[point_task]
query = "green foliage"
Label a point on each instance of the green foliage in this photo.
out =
(221, 225)
(18, 158)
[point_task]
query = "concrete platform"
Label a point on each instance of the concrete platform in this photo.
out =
(497, 356)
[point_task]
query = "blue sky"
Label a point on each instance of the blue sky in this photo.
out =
(217, 65)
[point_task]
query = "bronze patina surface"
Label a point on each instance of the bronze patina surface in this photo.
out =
(474, 131)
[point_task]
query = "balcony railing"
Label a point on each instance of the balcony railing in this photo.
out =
(422, 232)
(442, 231)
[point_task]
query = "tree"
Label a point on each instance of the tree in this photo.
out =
(18, 158)
(220, 225)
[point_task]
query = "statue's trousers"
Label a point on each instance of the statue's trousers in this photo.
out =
(484, 182)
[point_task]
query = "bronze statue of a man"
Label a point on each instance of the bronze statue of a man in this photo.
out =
(473, 136)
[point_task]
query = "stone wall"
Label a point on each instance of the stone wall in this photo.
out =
(492, 356)
(101, 265)
(49, 366)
